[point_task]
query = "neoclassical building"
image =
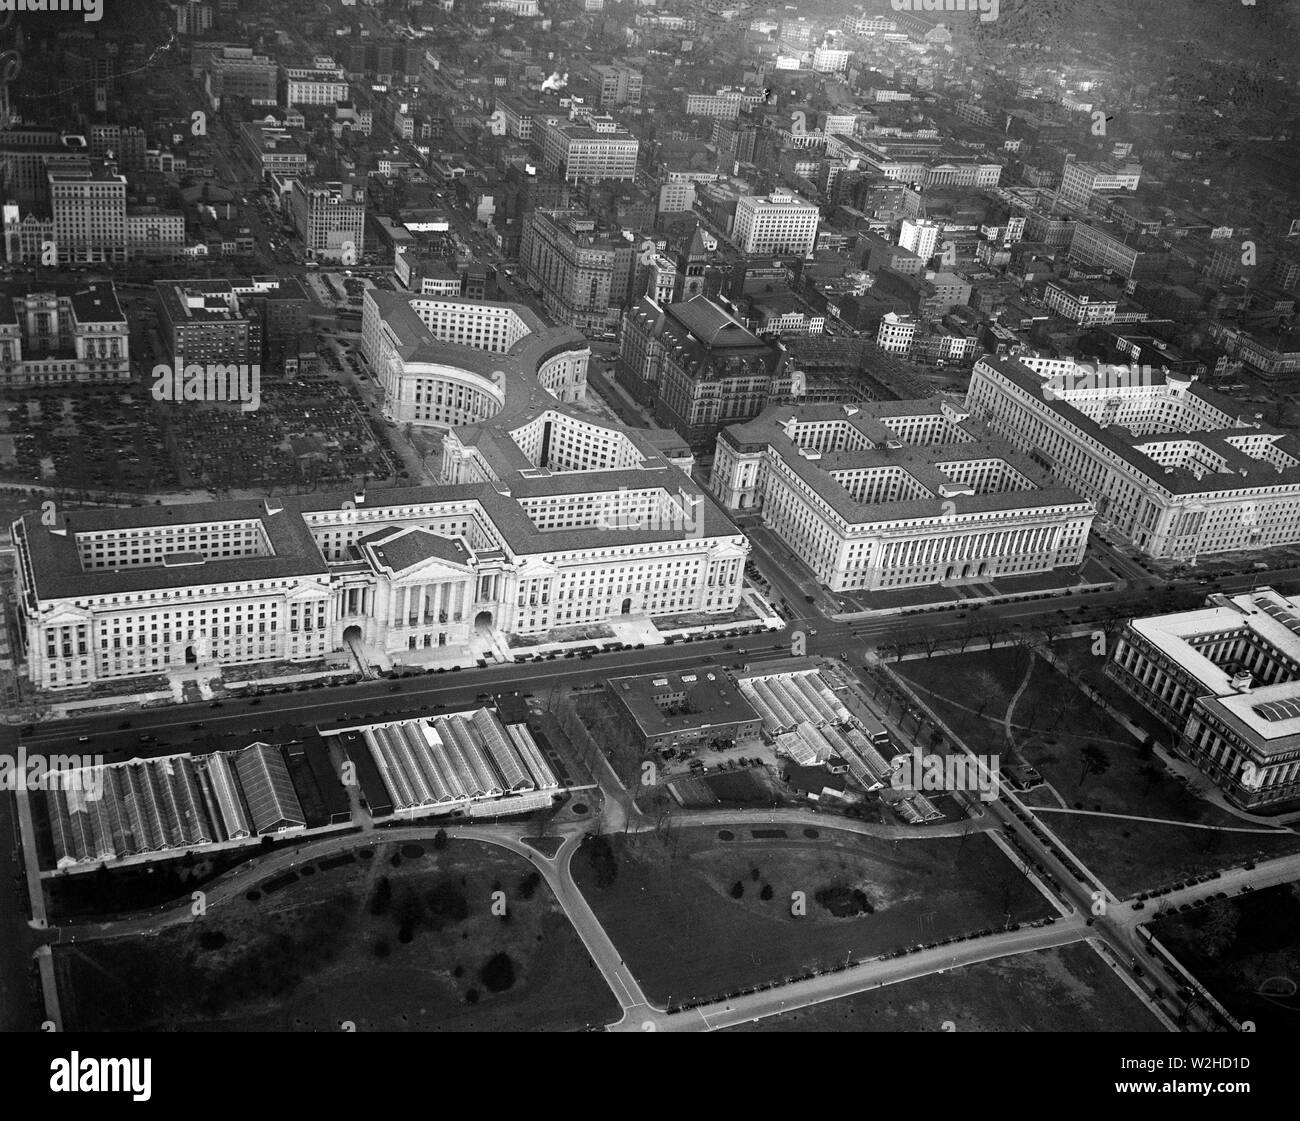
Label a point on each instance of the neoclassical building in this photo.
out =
(547, 517)
(898, 494)
(1225, 679)
(1164, 459)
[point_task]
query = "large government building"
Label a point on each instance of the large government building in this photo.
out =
(1161, 457)
(547, 517)
(1225, 679)
(898, 494)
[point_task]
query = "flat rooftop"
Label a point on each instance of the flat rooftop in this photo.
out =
(662, 703)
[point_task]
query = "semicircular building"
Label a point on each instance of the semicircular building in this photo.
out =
(544, 517)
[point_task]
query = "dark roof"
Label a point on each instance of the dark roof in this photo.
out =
(1242, 471)
(402, 548)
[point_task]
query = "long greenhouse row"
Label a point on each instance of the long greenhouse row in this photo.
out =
(455, 759)
(785, 701)
(110, 812)
(809, 724)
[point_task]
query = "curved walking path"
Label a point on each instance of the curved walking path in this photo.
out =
(1009, 736)
(758, 819)
(993, 719)
(555, 870)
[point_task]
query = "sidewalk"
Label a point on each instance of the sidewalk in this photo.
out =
(1072, 592)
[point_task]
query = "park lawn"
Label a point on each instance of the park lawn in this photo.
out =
(1077, 653)
(970, 690)
(1133, 856)
(1246, 951)
(304, 956)
(670, 912)
(1068, 988)
(1055, 722)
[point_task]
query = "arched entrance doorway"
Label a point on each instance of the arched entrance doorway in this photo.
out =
(352, 634)
(191, 659)
(627, 606)
(483, 621)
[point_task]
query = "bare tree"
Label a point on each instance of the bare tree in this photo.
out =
(963, 637)
(990, 629)
(1050, 628)
(929, 640)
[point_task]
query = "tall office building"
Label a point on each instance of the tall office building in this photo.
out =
(238, 72)
(585, 273)
(619, 85)
(920, 236)
(89, 211)
(322, 83)
(203, 321)
(776, 223)
(330, 218)
(586, 153)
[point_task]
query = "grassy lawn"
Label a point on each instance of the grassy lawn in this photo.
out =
(1065, 989)
(674, 916)
(1055, 723)
(973, 690)
(310, 953)
(1133, 856)
(1246, 951)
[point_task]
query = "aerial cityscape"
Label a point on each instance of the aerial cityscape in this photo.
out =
(637, 515)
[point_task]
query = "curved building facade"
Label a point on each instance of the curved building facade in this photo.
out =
(544, 517)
